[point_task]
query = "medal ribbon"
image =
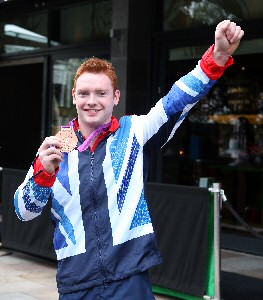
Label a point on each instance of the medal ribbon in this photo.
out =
(93, 136)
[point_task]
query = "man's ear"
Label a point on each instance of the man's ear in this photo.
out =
(73, 95)
(117, 95)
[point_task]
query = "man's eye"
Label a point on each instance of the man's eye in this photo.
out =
(102, 94)
(82, 94)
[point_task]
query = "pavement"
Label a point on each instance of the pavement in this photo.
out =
(26, 277)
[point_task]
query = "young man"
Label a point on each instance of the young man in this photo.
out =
(104, 239)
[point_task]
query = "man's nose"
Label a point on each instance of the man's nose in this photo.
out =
(91, 100)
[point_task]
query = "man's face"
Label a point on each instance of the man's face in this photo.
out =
(94, 98)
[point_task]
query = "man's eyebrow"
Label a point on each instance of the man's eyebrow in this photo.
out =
(81, 90)
(96, 90)
(101, 90)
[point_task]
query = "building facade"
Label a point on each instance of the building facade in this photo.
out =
(151, 44)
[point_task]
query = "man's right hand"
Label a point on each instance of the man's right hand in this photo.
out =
(49, 154)
(227, 39)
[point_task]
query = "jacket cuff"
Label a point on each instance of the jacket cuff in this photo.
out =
(41, 177)
(210, 67)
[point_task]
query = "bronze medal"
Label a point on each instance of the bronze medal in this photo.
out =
(67, 138)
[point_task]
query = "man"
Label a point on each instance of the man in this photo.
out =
(104, 239)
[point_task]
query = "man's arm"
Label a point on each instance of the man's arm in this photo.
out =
(33, 194)
(163, 120)
(30, 198)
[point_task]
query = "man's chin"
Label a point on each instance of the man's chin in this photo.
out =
(94, 123)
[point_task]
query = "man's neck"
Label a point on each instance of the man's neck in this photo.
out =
(93, 136)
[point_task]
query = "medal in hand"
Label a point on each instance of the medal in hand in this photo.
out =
(67, 138)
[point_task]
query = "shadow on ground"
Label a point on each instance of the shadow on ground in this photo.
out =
(238, 287)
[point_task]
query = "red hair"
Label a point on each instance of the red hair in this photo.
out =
(98, 65)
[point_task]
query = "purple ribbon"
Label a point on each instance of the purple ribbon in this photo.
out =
(93, 136)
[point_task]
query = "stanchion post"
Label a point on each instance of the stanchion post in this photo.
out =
(217, 230)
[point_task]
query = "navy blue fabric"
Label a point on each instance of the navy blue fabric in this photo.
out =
(137, 287)
(102, 263)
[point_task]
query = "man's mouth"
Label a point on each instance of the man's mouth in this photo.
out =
(93, 110)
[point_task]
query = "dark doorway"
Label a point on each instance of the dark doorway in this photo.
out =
(20, 114)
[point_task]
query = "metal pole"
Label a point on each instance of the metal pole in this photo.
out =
(217, 228)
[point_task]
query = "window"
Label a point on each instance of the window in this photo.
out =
(82, 23)
(222, 135)
(183, 14)
(77, 23)
(63, 109)
(24, 33)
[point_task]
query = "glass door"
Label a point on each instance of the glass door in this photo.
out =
(21, 103)
(63, 109)
(222, 137)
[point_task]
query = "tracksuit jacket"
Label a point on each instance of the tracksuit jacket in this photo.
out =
(103, 229)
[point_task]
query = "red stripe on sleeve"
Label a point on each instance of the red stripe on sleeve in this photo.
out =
(210, 67)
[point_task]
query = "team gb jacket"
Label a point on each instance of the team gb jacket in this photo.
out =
(103, 229)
